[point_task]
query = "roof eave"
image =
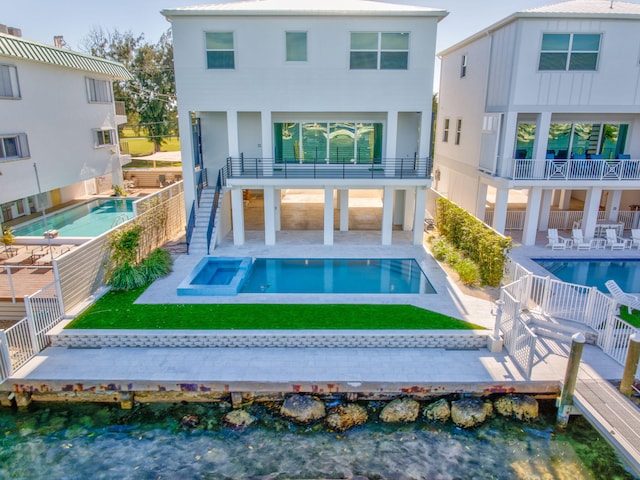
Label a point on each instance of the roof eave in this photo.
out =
(532, 15)
(169, 14)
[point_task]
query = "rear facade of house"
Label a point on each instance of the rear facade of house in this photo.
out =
(324, 95)
(545, 103)
(59, 115)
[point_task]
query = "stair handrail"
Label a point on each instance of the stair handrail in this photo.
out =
(214, 210)
(191, 224)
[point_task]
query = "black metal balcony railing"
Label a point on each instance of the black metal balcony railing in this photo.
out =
(576, 169)
(385, 168)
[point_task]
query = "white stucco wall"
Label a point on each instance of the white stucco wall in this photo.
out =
(55, 114)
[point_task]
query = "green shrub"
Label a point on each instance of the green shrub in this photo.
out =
(453, 257)
(440, 249)
(468, 271)
(486, 247)
(156, 265)
(127, 277)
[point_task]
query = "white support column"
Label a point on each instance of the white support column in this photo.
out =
(267, 144)
(541, 140)
(328, 216)
(237, 212)
(387, 215)
(545, 209)
(565, 200)
(392, 140)
(232, 134)
(500, 209)
(481, 202)
(531, 216)
(344, 210)
(542, 136)
(509, 129)
(613, 204)
(590, 212)
(278, 208)
(409, 210)
(424, 144)
(269, 216)
(418, 215)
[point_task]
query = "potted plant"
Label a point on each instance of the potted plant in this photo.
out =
(7, 238)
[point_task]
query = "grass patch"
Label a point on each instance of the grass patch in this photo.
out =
(116, 310)
(630, 316)
(144, 146)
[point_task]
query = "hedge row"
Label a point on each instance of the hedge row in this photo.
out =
(482, 244)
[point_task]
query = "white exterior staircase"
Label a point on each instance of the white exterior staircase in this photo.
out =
(198, 245)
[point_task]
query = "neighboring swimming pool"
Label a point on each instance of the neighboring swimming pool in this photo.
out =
(86, 220)
(229, 276)
(595, 272)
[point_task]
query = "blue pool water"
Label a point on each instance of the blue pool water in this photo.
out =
(230, 276)
(353, 275)
(594, 273)
(86, 220)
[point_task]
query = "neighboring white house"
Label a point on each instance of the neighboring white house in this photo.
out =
(321, 94)
(57, 112)
(546, 102)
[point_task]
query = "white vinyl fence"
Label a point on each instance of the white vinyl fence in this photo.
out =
(553, 298)
(25, 339)
(564, 219)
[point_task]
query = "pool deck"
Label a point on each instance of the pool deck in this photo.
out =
(239, 369)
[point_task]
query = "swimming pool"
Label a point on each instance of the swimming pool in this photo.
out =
(86, 220)
(220, 276)
(595, 272)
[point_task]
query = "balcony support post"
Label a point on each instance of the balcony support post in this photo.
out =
(237, 209)
(500, 209)
(614, 198)
(387, 215)
(419, 215)
(328, 216)
(343, 196)
(532, 215)
(269, 216)
(590, 212)
(545, 209)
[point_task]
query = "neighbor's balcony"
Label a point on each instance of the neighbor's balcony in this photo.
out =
(576, 169)
(385, 168)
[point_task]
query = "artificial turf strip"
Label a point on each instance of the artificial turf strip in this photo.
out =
(116, 310)
(630, 316)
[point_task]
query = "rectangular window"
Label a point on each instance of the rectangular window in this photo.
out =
(296, 46)
(569, 51)
(99, 91)
(14, 146)
(379, 51)
(220, 52)
(105, 137)
(9, 82)
(525, 140)
(328, 142)
(463, 67)
(445, 130)
(458, 131)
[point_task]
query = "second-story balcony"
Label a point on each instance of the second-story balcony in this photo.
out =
(576, 169)
(382, 169)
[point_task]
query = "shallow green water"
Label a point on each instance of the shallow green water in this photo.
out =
(69, 441)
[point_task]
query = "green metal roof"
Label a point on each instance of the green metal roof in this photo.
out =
(17, 47)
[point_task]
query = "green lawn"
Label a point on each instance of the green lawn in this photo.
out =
(632, 317)
(143, 145)
(117, 310)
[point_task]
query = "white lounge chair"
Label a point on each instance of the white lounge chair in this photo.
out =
(635, 237)
(556, 242)
(615, 242)
(579, 241)
(623, 298)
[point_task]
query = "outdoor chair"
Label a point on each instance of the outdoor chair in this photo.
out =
(579, 241)
(614, 242)
(556, 242)
(623, 298)
(635, 237)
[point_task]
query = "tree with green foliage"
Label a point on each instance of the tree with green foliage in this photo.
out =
(150, 99)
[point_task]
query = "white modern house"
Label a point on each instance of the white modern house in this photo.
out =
(330, 95)
(58, 118)
(546, 103)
